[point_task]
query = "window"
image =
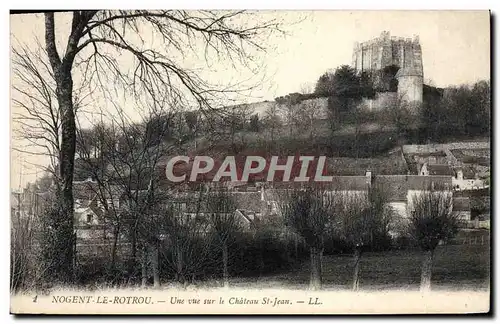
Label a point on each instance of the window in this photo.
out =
(89, 218)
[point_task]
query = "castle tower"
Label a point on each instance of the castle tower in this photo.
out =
(404, 53)
(410, 85)
(411, 75)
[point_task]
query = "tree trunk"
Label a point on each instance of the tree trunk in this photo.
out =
(225, 272)
(180, 266)
(64, 94)
(115, 245)
(425, 281)
(261, 259)
(144, 268)
(357, 259)
(66, 167)
(133, 251)
(296, 242)
(315, 280)
(156, 268)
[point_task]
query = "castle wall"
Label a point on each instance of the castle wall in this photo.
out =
(411, 88)
(432, 148)
(381, 101)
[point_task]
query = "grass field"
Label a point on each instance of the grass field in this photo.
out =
(456, 267)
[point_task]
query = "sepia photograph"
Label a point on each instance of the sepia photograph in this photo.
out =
(250, 162)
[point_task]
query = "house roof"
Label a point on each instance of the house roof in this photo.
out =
(468, 171)
(84, 190)
(416, 182)
(427, 154)
(350, 183)
(440, 169)
(248, 215)
(247, 200)
(395, 186)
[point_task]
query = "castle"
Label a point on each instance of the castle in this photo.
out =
(395, 67)
(404, 54)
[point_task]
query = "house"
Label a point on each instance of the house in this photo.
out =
(89, 212)
(438, 157)
(248, 206)
(465, 178)
(436, 169)
(89, 222)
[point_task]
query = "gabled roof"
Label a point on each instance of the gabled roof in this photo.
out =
(249, 216)
(247, 200)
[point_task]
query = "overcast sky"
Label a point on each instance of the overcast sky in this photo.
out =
(455, 48)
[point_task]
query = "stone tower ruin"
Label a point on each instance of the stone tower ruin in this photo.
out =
(405, 54)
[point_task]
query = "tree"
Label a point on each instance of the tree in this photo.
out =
(308, 112)
(462, 110)
(325, 85)
(308, 212)
(224, 223)
(193, 122)
(288, 111)
(432, 220)
(97, 38)
(346, 82)
(233, 124)
(365, 219)
(400, 115)
(123, 158)
(254, 125)
(272, 121)
(187, 226)
(306, 88)
(27, 269)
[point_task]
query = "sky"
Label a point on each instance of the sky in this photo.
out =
(455, 50)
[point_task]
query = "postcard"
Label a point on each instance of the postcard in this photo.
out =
(250, 162)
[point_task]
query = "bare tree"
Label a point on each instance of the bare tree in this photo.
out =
(194, 123)
(364, 218)
(308, 212)
(288, 112)
(126, 169)
(233, 123)
(432, 220)
(188, 231)
(224, 223)
(306, 88)
(26, 270)
(272, 121)
(97, 38)
(400, 115)
(308, 112)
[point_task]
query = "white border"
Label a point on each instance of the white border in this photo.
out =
(218, 4)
